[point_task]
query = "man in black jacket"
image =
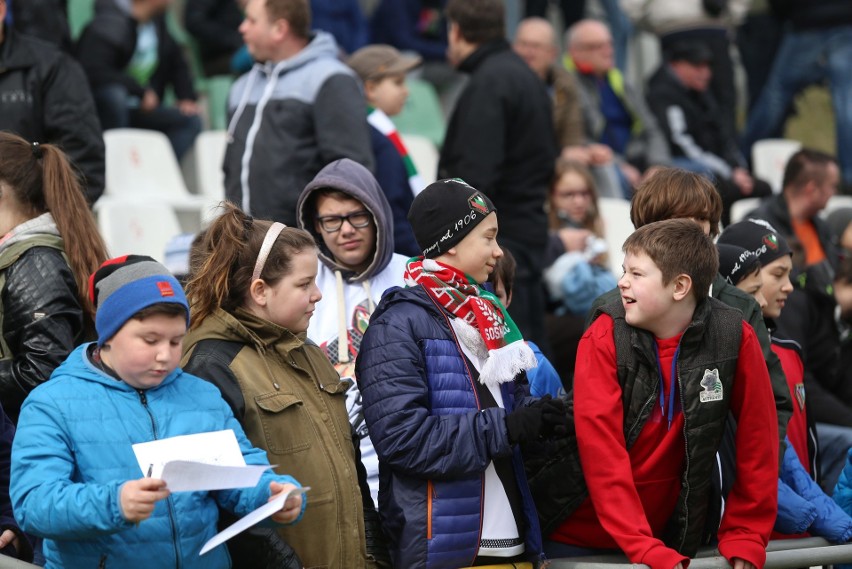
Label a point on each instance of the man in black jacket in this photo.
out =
(130, 58)
(811, 178)
(501, 140)
(44, 97)
(695, 126)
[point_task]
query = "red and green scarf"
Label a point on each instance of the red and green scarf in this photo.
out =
(459, 295)
(382, 123)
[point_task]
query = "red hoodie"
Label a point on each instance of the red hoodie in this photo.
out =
(633, 493)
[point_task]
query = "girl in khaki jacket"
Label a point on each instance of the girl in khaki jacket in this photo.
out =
(252, 294)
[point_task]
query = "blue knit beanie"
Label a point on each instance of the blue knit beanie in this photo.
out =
(123, 286)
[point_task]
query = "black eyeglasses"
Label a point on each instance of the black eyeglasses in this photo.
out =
(357, 219)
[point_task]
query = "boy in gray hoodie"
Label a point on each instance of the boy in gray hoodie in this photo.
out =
(346, 211)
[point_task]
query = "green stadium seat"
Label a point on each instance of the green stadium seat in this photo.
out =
(422, 113)
(80, 13)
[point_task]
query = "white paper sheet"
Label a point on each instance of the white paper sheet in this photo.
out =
(217, 447)
(187, 476)
(251, 519)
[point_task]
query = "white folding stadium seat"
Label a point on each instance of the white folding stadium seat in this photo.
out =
(208, 155)
(139, 227)
(769, 158)
(615, 213)
(140, 164)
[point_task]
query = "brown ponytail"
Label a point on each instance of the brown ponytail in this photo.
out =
(222, 261)
(42, 179)
(66, 202)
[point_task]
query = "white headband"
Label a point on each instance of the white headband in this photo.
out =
(271, 235)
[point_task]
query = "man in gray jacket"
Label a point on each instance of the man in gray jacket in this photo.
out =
(298, 109)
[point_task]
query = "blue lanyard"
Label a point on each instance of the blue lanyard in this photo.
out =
(662, 383)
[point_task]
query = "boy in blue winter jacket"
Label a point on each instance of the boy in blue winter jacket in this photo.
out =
(75, 479)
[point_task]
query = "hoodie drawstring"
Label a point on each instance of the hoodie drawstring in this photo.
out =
(342, 333)
(371, 306)
(241, 107)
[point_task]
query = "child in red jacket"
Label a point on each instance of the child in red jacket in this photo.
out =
(657, 373)
(761, 265)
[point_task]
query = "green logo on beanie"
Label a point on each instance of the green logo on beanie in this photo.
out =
(476, 202)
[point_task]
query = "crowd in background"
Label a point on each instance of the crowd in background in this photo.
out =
(331, 242)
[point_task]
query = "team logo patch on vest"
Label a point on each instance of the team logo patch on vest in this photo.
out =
(712, 386)
(800, 395)
(477, 203)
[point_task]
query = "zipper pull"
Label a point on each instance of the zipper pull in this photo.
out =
(142, 397)
(102, 564)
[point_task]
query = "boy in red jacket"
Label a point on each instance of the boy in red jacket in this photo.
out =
(657, 373)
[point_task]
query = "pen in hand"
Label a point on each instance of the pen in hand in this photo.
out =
(138, 498)
(150, 471)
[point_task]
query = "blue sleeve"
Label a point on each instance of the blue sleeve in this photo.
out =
(407, 436)
(245, 500)
(795, 514)
(843, 489)
(543, 379)
(46, 500)
(830, 521)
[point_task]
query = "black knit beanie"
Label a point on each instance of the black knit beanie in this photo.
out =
(759, 237)
(444, 212)
(735, 262)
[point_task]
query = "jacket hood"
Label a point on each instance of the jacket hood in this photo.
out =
(355, 180)
(321, 44)
(19, 51)
(78, 365)
(41, 225)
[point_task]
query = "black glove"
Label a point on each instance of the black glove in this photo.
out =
(524, 423)
(377, 544)
(554, 417)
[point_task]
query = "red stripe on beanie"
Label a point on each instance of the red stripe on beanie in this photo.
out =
(113, 261)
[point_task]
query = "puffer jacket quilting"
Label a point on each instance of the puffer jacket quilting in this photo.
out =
(433, 450)
(73, 452)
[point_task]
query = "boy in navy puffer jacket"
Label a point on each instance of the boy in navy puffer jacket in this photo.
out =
(75, 479)
(441, 369)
